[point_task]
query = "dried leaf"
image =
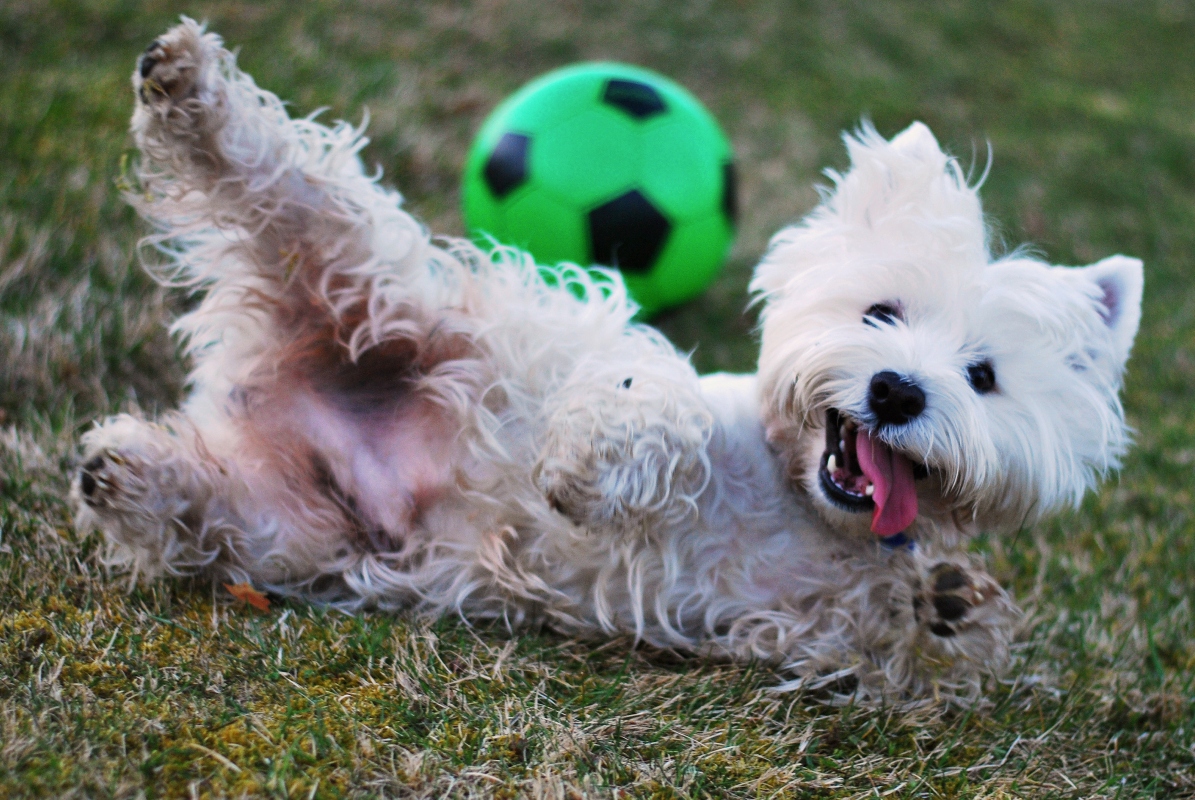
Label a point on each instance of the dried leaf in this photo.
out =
(246, 593)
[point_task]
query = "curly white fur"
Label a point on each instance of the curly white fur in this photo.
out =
(380, 419)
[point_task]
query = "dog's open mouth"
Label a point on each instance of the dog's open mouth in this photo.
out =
(859, 472)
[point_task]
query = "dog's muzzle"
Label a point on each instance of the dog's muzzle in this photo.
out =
(859, 472)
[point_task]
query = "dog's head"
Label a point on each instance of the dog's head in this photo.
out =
(906, 375)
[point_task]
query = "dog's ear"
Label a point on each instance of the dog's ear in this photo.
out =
(892, 171)
(918, 141)
(910, 193)
(1119, 281)
(902, 200)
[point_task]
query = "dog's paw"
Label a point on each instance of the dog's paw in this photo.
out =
(172, 66)
(167, 74)
(101, 480)
(623, 465)
(953, 599)
(146, 488)
(135, 477)
(182, 93)
(130, 486)
(621, 486)
(573, 488)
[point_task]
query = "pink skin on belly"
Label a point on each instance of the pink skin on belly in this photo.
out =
(394, 464)
(403, 464)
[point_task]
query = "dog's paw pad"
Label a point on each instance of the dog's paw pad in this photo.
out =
(88, 482)
(150, 58)
(948, 602)
(942, 629)
(952, 596)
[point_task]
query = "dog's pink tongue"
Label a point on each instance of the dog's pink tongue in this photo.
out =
(892, 476)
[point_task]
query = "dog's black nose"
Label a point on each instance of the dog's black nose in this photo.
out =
(895, 399)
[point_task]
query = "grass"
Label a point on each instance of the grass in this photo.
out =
(176, 691)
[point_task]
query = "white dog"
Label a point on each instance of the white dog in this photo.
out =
(378, 419)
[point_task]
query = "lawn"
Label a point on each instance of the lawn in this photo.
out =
(177, 690)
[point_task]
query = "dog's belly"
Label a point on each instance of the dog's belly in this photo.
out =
(329, 479)
(391, 464)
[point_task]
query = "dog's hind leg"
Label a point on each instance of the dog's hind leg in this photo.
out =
(172, 501)
(243, 193)
(331, 357)
(313, 272)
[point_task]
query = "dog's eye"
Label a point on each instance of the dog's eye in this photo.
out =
(882, 312)
(982, 377)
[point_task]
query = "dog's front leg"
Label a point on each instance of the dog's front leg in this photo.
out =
(626, 447)
(906, 623)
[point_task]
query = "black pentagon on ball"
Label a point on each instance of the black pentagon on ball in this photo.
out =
(506, 168)
(730, 193)
(637, 99)
(627, 232)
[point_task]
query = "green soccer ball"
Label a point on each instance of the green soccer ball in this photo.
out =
(611, 165)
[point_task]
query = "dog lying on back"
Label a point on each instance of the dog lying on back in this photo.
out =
(380, 419)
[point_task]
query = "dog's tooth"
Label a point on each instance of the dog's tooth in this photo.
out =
(831, 464)
(842, 445)
(870, 490)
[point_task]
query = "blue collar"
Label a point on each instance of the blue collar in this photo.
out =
(897, 541)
